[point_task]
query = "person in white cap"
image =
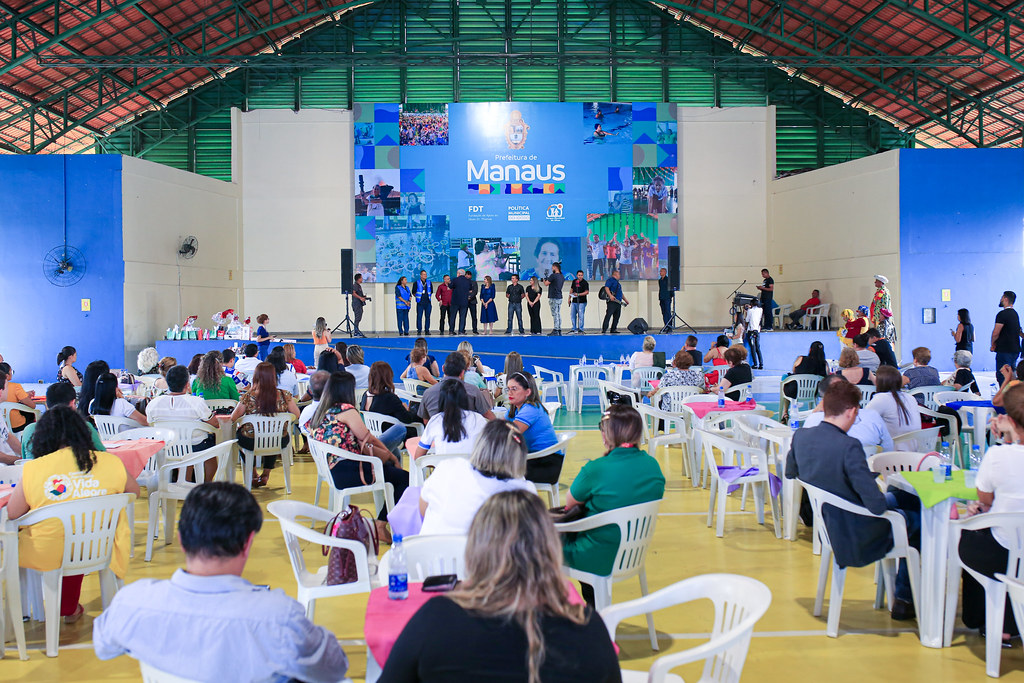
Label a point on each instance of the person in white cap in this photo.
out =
(881, 300)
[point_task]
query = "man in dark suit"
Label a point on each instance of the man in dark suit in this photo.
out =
(828, 458)
(665, 300)
(472, 300)
(460, 298)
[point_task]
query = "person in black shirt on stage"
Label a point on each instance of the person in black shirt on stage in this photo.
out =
(460, 299)
(767, 289)
(515, 293)
(1006, 334)
(578, 291)
(473, 289)
(554, 283)
(615, 299)
(359, 300)
(665, 300)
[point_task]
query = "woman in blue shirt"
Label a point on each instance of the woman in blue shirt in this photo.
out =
(530, 417)
(403, 299)
(262, 336)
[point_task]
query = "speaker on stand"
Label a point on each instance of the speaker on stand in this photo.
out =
(347, 273)
(674, 283)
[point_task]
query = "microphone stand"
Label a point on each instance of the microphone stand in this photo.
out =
(346, 324)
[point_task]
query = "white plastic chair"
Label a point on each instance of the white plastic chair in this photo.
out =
(866, 394)
(168, 493)
(928, 393)
(943, 397)
(636, 528)
(781, 314)
(90, 525)
(8, 406)
(674, 395)
(1011, 524)
(1015, 591)
(414, 386)
(816, 315)
(561, 447)
(548, 380)
(148, 476)
(268, 434)
(954, 432)
(605, 386)
(806, 392)
(665, 429)
(383, 492)
(739, 454)
(901, 549)
(221, 403)
(430, 556)
(311, 583)
(740, 392)
(892, 462)
(552, 409)
(642, 377)
(918, 441)
(586, 379)
(109, 426)
(419, 466)
(739, 603)
(10, 582)
(375, 421)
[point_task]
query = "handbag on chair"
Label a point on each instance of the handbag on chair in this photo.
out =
(352, 525)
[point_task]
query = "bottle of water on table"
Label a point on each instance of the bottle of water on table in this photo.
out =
(583, 360)
(947, 460)
(721, 396)
(398, 574)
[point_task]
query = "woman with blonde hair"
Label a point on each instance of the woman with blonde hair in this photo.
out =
(850, 368)
(289, 357)
(474, 360)
(321, 337)
(642, 359)
(511, 619)
(458, 487)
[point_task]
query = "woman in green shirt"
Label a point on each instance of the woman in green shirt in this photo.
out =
(625, 476)
(211, 382)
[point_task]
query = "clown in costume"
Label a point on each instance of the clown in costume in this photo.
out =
(881, 300)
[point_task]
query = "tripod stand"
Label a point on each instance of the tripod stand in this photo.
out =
(668, 329)
(345, 325)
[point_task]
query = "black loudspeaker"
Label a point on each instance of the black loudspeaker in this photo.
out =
(673, 268)
(637, 326)
(347, 257)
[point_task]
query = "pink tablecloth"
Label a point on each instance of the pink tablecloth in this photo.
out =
(654, 382)
(705, 407)
(134, 454)
(385, 618)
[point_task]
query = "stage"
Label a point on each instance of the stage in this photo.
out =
(779, 349)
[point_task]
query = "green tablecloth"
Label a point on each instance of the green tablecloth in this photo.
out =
(932, 494)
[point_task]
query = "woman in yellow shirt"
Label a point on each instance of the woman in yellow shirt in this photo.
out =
(66, 468)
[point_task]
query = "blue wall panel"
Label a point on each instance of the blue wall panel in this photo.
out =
(38, 194)
(962, 229)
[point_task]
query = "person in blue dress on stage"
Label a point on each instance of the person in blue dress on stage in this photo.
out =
(403, 300)
(488, 312)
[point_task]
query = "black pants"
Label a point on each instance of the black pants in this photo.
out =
(247, 442)
(446, 315)
(472, 315)
(534, 312)
(461, 309)
(753, 339)
(357, 315)
(980, 551)
(767, 320)
(666, 311)
(796, 315)
(346, 475)
(612, 313)
(545, 470)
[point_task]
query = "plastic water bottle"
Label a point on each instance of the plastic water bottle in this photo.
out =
(975, 457)
(993, 388)
(622, 359)
(583, 360)
(600, 359)
(721, 396)
(947, 459)
(398, 575)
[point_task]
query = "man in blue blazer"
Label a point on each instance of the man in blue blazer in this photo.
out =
(828, 458)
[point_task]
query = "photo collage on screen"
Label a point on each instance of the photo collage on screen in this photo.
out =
(498, 189)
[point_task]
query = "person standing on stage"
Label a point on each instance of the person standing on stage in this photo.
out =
(403, 301)
(460, 299)
(533, 293)
(473, 289)
(358, 301)
(554, 284)
(422, 290)
(515, 293)
(615, 299)
(578, 291)
(665, 300)
(767, 289)
(444, 297)
(488, 311)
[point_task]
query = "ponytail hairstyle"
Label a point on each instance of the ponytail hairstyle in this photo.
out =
(452, 403)
(61, 427)
(106, 393)
(64, 354)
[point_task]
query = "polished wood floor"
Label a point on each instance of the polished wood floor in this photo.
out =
(789, 643)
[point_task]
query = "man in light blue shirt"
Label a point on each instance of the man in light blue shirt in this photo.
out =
(868, 428)
(207, 623)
